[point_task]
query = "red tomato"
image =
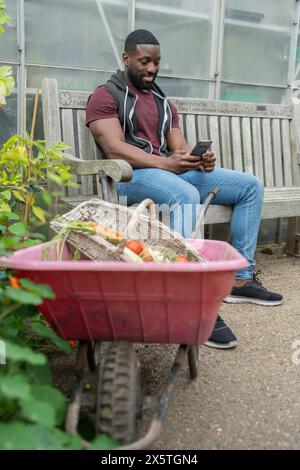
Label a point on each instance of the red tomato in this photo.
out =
(134, 246)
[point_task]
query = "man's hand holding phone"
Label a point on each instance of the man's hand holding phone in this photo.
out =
(207, 160)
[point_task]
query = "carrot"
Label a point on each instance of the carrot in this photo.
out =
(182, 259)
(106, 232)
(146, 254)
(14, 282)
(134, 246)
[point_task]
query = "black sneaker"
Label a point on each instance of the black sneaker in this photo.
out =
(254, 293)
(222, 337)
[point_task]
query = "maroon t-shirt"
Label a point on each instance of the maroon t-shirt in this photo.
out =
(103, 106)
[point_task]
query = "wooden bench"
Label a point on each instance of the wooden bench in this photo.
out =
(258, 139)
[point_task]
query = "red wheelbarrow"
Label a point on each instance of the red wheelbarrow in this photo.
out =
(126, 303)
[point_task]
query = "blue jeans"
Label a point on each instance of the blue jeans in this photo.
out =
(241, 191)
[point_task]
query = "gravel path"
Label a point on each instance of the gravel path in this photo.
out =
(246, 398)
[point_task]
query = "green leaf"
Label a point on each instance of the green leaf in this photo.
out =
(38, 412)
(54, 398)
(54, 439)
(26, 311)
(47, 198)
(23, 297)
(9, 215)
(18, 195)
(103, 442)
(16, 436)
(42, 290)
(18, 228)
(17, 353)
(39, 213)
(40, 375)
(14, 387)
(21, 436)
(6, 194)
(42, 330)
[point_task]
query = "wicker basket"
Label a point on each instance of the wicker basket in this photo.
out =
(132, 223)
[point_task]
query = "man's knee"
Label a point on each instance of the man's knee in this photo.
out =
(188, 195)
(257, 186)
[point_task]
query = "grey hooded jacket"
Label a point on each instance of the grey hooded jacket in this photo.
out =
(126, 101)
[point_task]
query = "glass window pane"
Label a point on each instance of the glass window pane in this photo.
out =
(8, 39)
(257, 41)
(67, 79)
(184, 88)
(183, 29)
(297, 65)
(83, 34)
(9, 114)
(253, 94)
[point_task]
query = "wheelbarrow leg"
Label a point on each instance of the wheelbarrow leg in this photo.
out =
(193, 360)
(74, 406)
(162, 404)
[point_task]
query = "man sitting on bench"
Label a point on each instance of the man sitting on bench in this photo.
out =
(131, 119)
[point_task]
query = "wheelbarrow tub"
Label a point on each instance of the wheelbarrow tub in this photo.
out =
(136, 302)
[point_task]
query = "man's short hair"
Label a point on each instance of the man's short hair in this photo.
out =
(139, 36)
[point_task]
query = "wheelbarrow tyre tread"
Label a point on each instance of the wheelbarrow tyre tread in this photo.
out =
(118, 393)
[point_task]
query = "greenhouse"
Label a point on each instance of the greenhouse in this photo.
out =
(221, 49)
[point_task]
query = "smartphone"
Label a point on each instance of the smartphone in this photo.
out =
(201, 147)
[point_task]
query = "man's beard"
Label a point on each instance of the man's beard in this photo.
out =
(138, 81)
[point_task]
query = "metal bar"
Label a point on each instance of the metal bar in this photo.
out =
(293, 49)
(163, 404)
(75, 403)
(109, 33)
(131, 15)
(253, 84)
(21, 68)
(215, 38)
(171, 11)
(221, 27)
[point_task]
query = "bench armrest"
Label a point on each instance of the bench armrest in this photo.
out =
(117, 170)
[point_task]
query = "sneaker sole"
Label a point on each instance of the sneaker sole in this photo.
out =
(211, 344)
(248, 300)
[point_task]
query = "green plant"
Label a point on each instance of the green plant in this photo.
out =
(6, 80)
(4, 16)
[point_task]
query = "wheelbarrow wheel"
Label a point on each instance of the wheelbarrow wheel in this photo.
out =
(193, 360)
(118, 397)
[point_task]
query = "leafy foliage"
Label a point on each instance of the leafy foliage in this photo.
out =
(6, 80)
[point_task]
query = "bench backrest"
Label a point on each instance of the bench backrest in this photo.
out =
(259, 139)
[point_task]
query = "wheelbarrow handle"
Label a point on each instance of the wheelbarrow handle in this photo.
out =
(210, 196)
(200, 220)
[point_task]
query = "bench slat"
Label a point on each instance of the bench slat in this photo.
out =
(225, 142)
(68, 138)
(236, 144)
(202, 127)
(247, 147)
(277, 154)
(287, 157)
(267, 145)
(191, 134)
(181, 123)
(214, 135)
(86, 151)
(257, 149)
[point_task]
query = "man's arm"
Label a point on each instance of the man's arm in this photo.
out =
(109, 135)
(178, 144)
(176, 141)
